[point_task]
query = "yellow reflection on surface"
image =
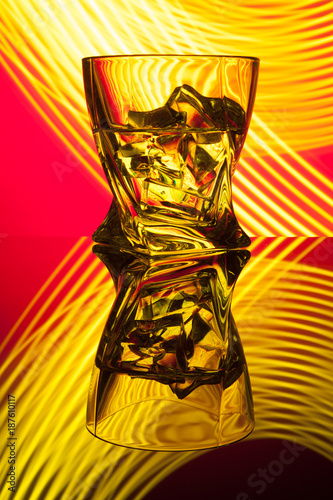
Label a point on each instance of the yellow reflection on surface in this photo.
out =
(282, 307)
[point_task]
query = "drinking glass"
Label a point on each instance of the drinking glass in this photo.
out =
(169, 130)
(170, 372)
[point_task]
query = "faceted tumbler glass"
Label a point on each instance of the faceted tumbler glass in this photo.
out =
(169, 130)
(170, 372)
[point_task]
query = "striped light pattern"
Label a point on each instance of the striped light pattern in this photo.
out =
(283, 311)
(277, 192)
(282, 304)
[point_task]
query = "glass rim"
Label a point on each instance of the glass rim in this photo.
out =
(114, 56)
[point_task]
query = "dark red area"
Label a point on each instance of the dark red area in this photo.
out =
(250, 470)
(33, 200)
(25, 265)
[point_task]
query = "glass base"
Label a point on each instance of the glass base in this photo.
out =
(145, 414)
(180, 240)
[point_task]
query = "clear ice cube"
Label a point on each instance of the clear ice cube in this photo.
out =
(207, 112)
(164, 117)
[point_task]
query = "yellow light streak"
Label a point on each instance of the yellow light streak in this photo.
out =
(296, 156)
(43, 57)
(295, 208)
(43, 289)
(273, 206)
(267, 270)
(257, 209)
(62, 373)
(303, 180)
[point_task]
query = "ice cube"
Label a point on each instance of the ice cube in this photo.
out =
(157, 198)
(199, 161)
(205, 359)
(170, 143)
(134, 149)
(208, 138)
(164, 117)
(134, 167)
(235, 115)
(186, 99)
(132, 160)
(207, 112)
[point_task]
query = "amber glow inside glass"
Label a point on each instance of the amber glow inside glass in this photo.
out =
(169, 130)
(170, 372)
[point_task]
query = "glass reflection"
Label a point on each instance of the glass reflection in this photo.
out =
(170, 369)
